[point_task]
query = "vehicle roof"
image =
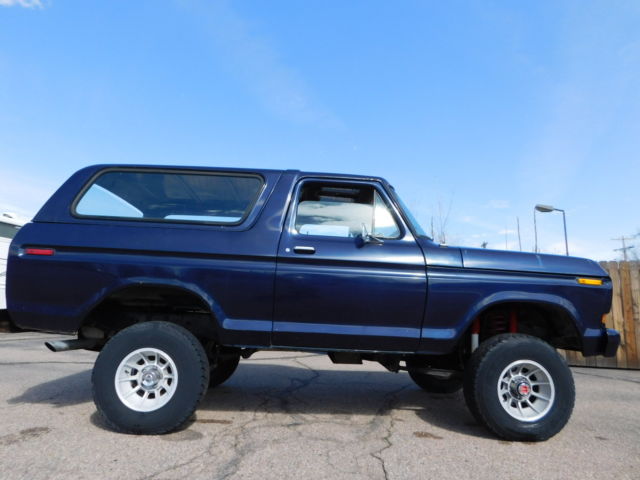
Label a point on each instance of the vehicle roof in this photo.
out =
(299, 173)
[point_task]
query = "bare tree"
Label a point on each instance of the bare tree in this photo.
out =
(441, 221)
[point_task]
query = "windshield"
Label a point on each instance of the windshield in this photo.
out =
(416, 227)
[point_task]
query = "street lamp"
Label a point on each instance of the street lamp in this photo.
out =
(547, 209)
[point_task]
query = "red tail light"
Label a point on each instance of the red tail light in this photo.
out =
(39, 251)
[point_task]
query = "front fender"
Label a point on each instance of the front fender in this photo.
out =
(513, 296)
(443, 340)
(458, 295)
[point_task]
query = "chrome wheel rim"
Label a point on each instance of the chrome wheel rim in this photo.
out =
(146, 379)
(526, 390)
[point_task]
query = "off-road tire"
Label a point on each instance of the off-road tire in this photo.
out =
(192, 378)
(481, 387)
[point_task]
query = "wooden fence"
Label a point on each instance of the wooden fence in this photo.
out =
(624, 317)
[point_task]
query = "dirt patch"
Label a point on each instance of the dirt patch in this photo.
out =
(182, 436)
(23, 435)
(426, 435)
(213, 420)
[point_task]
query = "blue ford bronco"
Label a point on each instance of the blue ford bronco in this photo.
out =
(176, 273)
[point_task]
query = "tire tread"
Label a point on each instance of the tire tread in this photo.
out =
(203, 368)
(471, 387)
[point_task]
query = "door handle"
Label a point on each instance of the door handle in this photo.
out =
(304, 250)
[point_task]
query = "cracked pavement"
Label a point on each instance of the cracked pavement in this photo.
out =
(296, 415)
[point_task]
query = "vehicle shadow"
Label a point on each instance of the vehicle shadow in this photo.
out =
(297, 391)
(289, 390)
(62, 392)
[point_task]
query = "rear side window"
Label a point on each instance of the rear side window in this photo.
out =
(170, 196)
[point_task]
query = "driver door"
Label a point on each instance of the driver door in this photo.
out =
(349, 274)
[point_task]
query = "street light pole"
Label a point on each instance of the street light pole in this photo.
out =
(546, 209)
(564, 223)
(535, 230)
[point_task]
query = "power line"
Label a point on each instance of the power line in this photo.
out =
(624, 248)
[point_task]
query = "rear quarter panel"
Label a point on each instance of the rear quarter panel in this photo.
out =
(93, 258)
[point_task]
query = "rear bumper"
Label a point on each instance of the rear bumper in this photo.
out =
(602, 341)
(6, 325)
(5, 322)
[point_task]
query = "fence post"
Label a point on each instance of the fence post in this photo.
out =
(627, 312)
(609, 362)
(617, 314)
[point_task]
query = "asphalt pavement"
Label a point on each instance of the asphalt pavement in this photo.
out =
(296, 415)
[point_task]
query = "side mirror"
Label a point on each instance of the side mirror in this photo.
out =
(365, 238)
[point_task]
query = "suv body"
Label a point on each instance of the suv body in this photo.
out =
(245, 260)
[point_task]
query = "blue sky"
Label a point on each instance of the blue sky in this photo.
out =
(479, 109)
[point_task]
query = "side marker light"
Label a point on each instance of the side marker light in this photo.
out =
(590, 281)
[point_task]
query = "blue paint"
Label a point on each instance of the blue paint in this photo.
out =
(406, 294)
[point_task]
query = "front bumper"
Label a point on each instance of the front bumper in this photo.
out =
(601, 341)
(611, 342)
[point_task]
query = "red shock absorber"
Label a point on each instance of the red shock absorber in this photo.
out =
(513, 321)
(475, 334)
(494, 323)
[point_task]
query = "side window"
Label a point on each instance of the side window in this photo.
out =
(342, 210)
(171, 196)
(384, 226)
(101, 202)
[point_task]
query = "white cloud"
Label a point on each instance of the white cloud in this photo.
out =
(255, 60)
(587, 97)
(477, 223)
(579, 248)
(22, 193)
(21, 3)
(498, 204)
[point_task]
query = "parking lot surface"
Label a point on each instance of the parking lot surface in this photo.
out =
(295, 415)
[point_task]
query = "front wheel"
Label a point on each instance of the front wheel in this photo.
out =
(149, 378)
(519, 387)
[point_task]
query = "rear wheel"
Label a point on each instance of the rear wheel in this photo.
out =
(149, 378)
(222, 368)
(519, 387)
(433, 383)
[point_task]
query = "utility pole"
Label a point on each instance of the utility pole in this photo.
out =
(519, 239)
(624, 248)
